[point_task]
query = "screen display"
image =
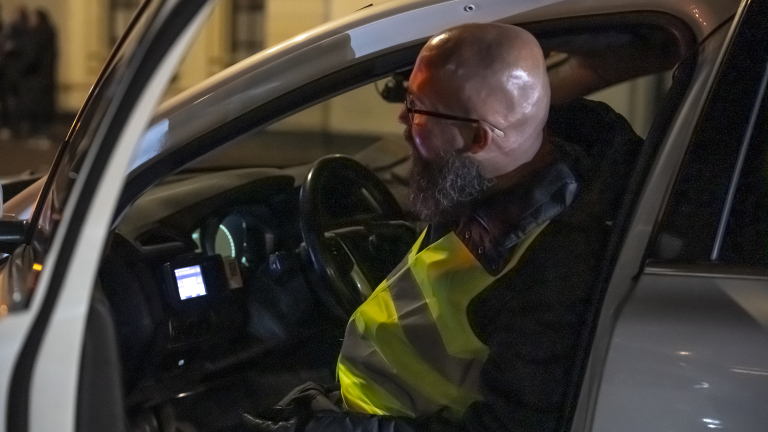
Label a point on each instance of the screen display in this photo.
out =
(190, 282)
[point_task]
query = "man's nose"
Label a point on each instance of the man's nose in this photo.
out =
(403, 116)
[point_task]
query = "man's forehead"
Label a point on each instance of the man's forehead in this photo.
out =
(433, 82)
(436, 65)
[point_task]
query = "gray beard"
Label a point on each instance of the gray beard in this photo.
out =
(440, 189)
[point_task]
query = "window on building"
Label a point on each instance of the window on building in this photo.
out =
(247, 28)
(120, 14)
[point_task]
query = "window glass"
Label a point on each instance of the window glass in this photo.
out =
(690, 228)
(746, 235)
(358, 123)
(346, 124)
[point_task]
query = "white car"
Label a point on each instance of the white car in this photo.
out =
(102, 326)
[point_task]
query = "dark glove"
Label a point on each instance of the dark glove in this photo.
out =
(352, 422)
(260, 424)
(313, 408)
(295, 410)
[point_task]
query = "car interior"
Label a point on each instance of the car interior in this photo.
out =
(228, 281)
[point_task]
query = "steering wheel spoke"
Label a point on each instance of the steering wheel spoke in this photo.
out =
(342, 258)
(346, 212)
(346, 262)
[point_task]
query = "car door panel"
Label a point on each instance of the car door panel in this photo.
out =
(689, 352)
(658, 184)
(43, 392)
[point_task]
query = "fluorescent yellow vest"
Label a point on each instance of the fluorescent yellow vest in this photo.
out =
(409, 349)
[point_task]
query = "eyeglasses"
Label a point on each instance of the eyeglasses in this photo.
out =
(409, 107)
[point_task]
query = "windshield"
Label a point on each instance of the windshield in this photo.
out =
(346, 124)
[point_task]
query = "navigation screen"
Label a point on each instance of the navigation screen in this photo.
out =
(190, 282)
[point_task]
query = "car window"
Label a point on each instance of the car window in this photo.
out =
(346, 124)
(718, 203)
(746, 233)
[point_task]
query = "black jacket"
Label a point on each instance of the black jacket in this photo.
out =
(534, 319)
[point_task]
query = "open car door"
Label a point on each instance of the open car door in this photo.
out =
(48, 279)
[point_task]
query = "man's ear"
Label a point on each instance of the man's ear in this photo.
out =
(481, 139)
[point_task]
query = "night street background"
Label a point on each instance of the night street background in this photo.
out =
(18, 155)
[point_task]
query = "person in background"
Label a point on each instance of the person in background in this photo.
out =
(13, 46)
(38, 81)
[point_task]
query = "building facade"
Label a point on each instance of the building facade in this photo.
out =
(87, 30)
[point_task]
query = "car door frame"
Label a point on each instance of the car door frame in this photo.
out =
(42, 393)
(627, 303)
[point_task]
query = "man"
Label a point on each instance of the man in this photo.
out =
(38, 81)
(14, 48)
(478, 327)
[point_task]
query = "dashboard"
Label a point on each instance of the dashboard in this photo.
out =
(213, 293)
(202, 278)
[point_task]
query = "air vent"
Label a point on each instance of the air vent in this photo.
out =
(162, 240)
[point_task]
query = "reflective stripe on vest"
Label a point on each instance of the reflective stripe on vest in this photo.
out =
(409, 349)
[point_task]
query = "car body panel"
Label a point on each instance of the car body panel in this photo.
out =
(688, 348)
(41, 394)
(55, 382)
(690, 352)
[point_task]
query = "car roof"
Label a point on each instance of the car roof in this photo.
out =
(366, 33)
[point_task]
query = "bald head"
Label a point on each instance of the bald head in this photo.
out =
(495, 73)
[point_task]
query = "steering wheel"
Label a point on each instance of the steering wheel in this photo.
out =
(341, 197)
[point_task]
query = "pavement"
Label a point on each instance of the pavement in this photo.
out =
(20, 154)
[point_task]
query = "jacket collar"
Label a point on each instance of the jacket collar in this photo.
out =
(496, 224)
